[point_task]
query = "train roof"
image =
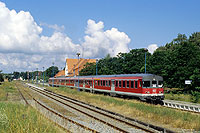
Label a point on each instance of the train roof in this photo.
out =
(142, 75)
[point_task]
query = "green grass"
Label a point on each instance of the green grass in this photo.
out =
(177, 94)
(19, 118)
(155, 114)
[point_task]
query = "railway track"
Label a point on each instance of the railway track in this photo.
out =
(116, 121)
(58, 118)
(185, 106)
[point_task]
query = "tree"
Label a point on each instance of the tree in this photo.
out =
(1, 77)
(195, 38)
(89, 69)
(16, 75)
(180, 38)
(51, 71)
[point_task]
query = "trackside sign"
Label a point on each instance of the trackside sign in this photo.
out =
(188, 82)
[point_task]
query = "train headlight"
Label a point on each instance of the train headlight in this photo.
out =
(147, 92)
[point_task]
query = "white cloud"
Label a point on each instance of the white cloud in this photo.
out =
(152, 47)
(55, 27)
(23, 47)
(98, 43)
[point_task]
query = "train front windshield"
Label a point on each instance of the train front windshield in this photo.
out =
(152, 84)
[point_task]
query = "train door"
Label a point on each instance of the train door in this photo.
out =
(112, 85)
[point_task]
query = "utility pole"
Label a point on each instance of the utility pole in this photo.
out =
(43, 76)
(96, 67)
(146, 50)
(37, 76)
(78, 54)
(53, 74)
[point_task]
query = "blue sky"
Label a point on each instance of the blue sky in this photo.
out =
(35, 33)
(144, 21)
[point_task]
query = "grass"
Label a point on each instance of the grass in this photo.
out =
(176, 94)
(16, 117)
(179, 97)
(19, 118)
(155, 114)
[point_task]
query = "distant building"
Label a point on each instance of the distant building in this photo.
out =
(72, 65)
(60, 73)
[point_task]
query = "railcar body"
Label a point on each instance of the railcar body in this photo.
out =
(144, 86)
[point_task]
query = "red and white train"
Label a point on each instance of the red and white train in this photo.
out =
(144, 86)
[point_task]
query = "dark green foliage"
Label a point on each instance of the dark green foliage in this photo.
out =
(90, 69)
(195, 38)
(16, 75)
(1, 78)
(51, 71)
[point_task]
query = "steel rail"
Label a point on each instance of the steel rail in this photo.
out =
(117, 114)
(112, 117)
(23, 96)
(74, 122)
(115, 127)
(135, 126)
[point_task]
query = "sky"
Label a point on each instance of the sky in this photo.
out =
(36, 33)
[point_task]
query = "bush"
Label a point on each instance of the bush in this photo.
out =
(195, 96)
(1, 78)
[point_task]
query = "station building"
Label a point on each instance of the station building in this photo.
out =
(72, 66)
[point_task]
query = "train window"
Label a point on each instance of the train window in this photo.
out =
(81, 81)
(116, 83)
(124, 84)
(160, 83)
(98, 83)
(104, 82)
(127, 84)
(132, 84)
(95, 83)
(109, 83)
(154, 83)
(120, 84)
(140, 84)
(146, 84)
(136, 84)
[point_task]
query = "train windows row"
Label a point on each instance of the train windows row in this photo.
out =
(126, 84)
(107, 83)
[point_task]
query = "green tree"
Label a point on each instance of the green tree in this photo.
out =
(51, 71)
(89, 69)
(195, 38)
(16, 75)
(1, 77)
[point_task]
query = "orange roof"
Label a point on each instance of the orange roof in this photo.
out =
(60, 73)
(74, 64)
